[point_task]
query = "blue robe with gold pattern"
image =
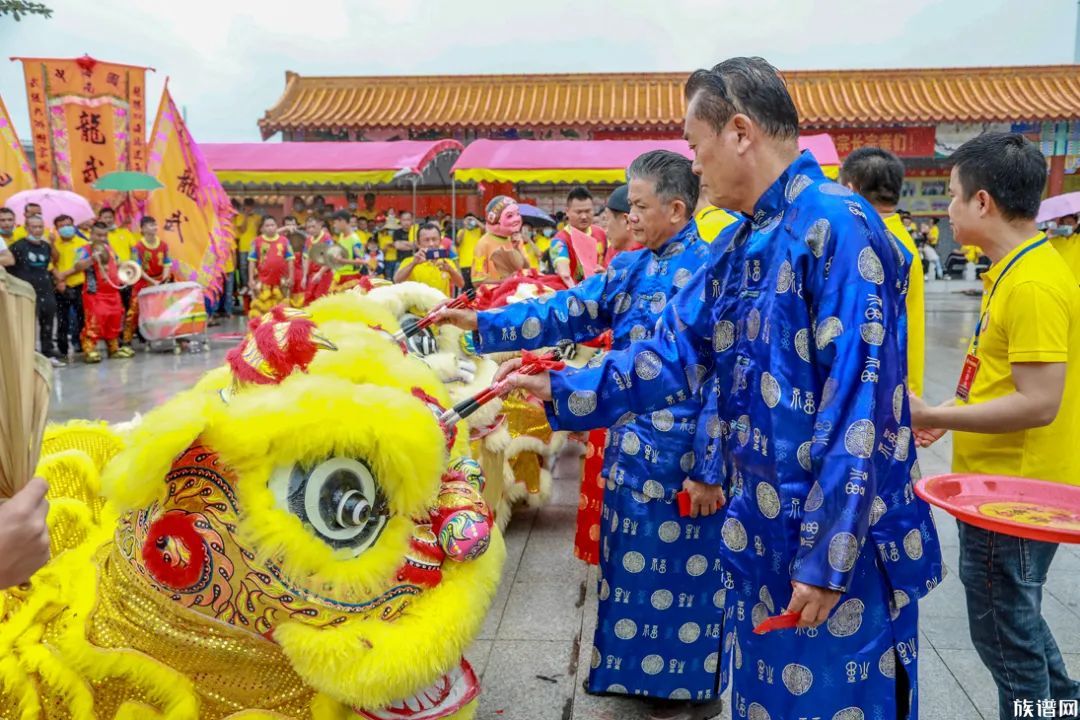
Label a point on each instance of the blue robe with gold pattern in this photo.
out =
(659, 573)
(795, 328)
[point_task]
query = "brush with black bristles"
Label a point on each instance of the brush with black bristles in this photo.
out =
(463, 300)
(531, 365)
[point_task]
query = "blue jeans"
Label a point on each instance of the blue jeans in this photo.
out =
(1004, 577)
(225, 302)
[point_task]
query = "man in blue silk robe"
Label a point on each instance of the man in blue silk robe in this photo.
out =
(659, 574)
(797, 325)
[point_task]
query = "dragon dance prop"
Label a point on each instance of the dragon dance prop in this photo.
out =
(296, 536)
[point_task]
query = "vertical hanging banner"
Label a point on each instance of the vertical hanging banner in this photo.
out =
(16, 174)
(87, 118)
(192, 209)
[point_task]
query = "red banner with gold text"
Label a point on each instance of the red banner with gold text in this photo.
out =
(87, 118)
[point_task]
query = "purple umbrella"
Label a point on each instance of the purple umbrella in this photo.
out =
(1055, 207)
(534, 215)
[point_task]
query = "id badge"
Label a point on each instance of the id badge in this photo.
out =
(967, 377)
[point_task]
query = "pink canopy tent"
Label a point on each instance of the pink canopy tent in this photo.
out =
(584, 161)
(318, 163)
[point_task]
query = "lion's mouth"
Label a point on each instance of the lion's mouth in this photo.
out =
(445, 696)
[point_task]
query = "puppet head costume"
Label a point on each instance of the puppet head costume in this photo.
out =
(503, 216)
(295, 537)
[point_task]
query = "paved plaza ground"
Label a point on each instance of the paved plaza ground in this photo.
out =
(533, 650)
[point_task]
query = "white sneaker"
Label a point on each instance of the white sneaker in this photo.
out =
(57, 362)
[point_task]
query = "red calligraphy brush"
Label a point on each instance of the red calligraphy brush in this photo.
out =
(464, 300)
(530, 365)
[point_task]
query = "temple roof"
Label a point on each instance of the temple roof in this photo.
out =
(654, 101)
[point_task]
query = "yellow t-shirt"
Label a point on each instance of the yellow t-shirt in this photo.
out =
(971, 252)
(386, 244)
(429, 274)
(916, 307)
(65, 259)
(122, 242)
(711, 221)
(246, 230)
(230, 255)
(467, 240)
(1034, 316)
(1069, 249)
(18, 234)
(933, 236)
(531, 256)
(348, 242)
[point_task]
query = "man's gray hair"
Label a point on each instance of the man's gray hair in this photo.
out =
(747, 85)
(670, 173)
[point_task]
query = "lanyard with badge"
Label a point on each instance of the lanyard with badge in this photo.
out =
(971, 362)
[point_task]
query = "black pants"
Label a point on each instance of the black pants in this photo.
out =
(466, 273)
(46, 317)
(125, 297)
(69, 312)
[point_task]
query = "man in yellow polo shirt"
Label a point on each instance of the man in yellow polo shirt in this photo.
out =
(1017, 410)
(466, 240)
(69, 284)
(878, 176)
(428, 265)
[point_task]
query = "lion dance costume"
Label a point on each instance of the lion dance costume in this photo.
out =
(295, 537)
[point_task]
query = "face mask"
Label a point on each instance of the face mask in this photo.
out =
(1064, 230)
(548, 232)
(470, 223)
(7, 233)
(68, 231)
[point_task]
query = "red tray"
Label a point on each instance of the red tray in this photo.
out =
(1032, 509)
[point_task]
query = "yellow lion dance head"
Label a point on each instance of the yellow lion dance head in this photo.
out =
(295, 537)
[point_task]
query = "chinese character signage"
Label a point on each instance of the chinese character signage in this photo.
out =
(16, 174)
(87, 118)
(192, 210)
(902, 141)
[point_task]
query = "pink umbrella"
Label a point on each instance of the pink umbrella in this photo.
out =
(1059, 206)
(53, 203)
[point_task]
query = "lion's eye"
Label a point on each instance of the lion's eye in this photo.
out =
(338, 499)
(422, 343)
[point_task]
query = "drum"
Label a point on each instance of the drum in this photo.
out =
(172, 310)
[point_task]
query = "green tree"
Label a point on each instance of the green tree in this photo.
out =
(18, 8)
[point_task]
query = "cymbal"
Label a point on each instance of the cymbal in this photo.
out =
(129, 272)
(321, 253)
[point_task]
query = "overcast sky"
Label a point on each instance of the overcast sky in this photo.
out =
(226, 59)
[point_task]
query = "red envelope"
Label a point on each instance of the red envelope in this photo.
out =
(683, 499)
(786, 621)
